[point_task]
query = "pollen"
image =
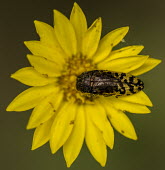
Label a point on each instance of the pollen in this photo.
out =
(67, 81)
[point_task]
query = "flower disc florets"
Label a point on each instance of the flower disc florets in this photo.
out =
(67, 81)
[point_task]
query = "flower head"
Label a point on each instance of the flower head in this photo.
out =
(63, 115)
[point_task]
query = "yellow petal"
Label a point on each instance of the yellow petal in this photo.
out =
(78, 20)
(45, 109)
(139, 98)
(91, 39)
(125, 64)
(149, 64)
(46, 33)
(125, 52)
(98, 117)
(42, 134)
(65, 33)
(29, 98)
(74, 143)
(39, 49)
(31, 77)
(121, 122)
(95, 142)
(62, 126)
(109, 136)
(108, 42)
(127, 106)
(45, 66)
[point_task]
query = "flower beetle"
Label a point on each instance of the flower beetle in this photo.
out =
(107, 83)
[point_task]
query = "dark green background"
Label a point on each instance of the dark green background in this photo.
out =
(146, 19)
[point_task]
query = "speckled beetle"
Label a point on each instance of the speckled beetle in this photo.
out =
(107, 83)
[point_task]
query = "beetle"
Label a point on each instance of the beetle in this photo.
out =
(107, 83)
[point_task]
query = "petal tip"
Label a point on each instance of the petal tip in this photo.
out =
(26, 43)
(141, 47)
(99, 19)
(33, 147)
(31, 125)
(12, 76)
(150, 104)
(28, 56)
(76, 7)
(103, 163)
(112, 146)
(9, 109)
(56, 12)
(134, 136)
(28, 127)
(76, 4)
(148, 110)
(68, 164)
(97, 23)
(144, 56)
(36, 21)
(126, 27)
(53, 151)
(159, 61)
(125, 30)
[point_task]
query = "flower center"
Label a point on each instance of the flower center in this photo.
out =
(75, 66)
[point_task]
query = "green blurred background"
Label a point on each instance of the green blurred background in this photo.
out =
(146, 19)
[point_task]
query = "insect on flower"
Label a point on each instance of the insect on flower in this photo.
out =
(103, 82)
(72, 67)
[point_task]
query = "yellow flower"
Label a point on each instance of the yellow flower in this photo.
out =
(64, 116)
